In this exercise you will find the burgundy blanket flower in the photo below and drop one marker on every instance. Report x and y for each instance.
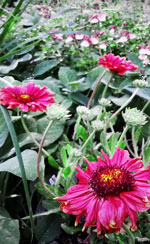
(108, 191)
(116, 64)
(28, 98)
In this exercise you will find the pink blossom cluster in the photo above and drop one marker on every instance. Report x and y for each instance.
(85, 40)
(96, 18)
(125, 35)
(144, 53)
(44, 11)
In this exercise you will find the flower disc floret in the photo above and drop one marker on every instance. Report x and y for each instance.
(109, 191)
(28, 98)
(116, 64)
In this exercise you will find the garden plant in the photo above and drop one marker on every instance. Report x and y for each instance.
(74, 122)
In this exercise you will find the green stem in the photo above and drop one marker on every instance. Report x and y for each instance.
(123, 134)
(76, 126)
(131, 236)
(125, 104)
(95, 88)
(89, 138)
(20, 160)
(106, 87)
(29, 134)
(133, 142)
(58, 181)
(146, 105)
(39, 157)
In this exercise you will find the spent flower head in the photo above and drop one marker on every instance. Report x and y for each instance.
(57, 112)
(134, 117)
(140, 83)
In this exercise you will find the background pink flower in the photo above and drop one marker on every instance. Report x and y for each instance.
(28, 98)
(108, 191)
(116, 64)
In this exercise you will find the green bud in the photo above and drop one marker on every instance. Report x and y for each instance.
(134, 117)
(140, 83)
(98, 125)
(57, 111)
(104, 102)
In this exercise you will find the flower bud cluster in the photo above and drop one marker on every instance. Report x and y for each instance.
(57, 112)
(140, 83)
(134, 117)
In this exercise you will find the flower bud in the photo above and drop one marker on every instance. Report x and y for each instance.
(140, 83)
(57, 112)
(134, 117)
(82, 110)
(98, 125)
(104, 102)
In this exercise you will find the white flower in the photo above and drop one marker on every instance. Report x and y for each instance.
(122, 39)
(85, 43)
(79, 36)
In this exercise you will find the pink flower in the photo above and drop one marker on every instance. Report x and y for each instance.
(93, 40)
(109, 191)
(116, 64)
(28, 98)
(55, 37)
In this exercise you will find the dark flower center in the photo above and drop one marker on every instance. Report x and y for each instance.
(111, 181)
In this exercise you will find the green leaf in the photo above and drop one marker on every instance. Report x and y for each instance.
(44, 66)
(30, 164)
(104, 142)
(70, 230)
(146, 156)
(54, 132)
(137, 135)
(48, 227)
(93, 75)
(52, 162)
(113, 142)
(134, 58)
(67, 172)
(5, 69)
(67, 75)
(64, 156)
(3, 130)
(79, 98)
(142, 92)
(81, 133)
(9, 230)
(51, 204)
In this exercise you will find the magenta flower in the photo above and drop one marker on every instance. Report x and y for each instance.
(116, 64)
(109, 191)
(28, 98)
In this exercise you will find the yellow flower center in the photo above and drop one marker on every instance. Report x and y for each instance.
(110, 175)
(25, 96)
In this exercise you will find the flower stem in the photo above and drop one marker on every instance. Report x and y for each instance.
(133, 142)
(39, 158)
(30, 135)
(131, 236)
(85, 143)
(146, 105)
(76, 126)
(123, 106)
(95, 88)
(106, 87)
(123, 134)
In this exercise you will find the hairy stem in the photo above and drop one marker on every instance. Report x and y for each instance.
(95, 88)
(131, 236)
